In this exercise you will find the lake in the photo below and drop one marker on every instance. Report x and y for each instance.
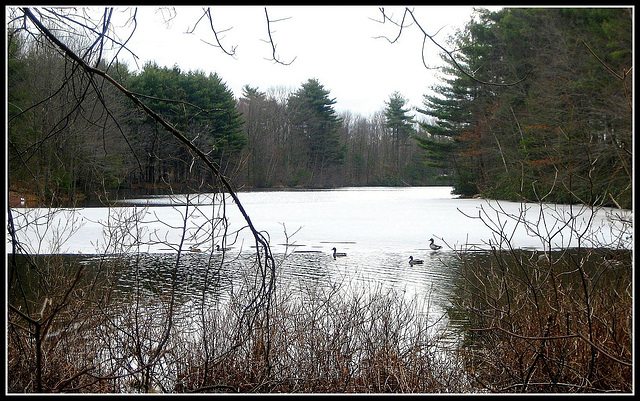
(370, 224)
(378, 229)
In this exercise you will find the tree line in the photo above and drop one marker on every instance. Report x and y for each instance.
(533, 104)
(261, 140)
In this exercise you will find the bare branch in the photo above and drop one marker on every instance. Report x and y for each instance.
(559, 337)
(207, 14)
(622, 77)
(274, 56)
(168, 14)
(261, 241)
(449, 53)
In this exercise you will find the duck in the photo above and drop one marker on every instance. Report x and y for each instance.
(338, 254)
(434, 246)
(413, 261)
(543, 257)
(221, 249)
(194, 249)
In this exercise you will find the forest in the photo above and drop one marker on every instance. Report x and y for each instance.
(546, 113)
(533, 104)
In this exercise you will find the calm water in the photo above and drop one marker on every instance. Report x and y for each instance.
(378, 228)
(367, 223)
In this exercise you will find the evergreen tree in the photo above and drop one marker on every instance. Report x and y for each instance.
(201, 106)
(451, 143)
(400, 126)
(560, 134)
(249, 93)
(315, 125)
(69, 144)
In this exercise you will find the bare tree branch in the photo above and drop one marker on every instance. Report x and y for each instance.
(622, 77)
(559, 337)
(168, 14)
(431, 38)
(207, 14)
(274, 56)
(264, 257)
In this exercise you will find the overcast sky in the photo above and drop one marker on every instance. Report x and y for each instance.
(335, 44)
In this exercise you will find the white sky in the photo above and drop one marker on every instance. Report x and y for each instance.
(334, 44)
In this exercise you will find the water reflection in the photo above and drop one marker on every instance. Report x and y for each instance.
(208, 279)
(198, 272)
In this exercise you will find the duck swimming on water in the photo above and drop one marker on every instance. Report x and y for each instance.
(434, 246)
(338, 254)
(413, 261)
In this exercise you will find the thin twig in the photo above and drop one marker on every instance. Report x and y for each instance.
(274, 56)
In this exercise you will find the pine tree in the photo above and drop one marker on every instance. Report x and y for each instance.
(400, 126)
(451, 111)
(199, 105)
(537, 106)
(315, 125)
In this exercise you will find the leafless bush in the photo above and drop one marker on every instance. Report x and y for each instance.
(325, 341)
(557, 321)
(331, 339)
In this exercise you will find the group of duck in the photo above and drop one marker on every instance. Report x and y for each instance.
(337, 254)
(412, 261)
(218, 249)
